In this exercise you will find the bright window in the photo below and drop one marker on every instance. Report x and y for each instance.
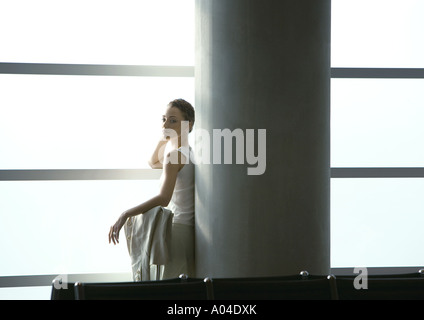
(83, 122)
(377, 33)
(74, 121)
(376, 222)
(98, 122)
(376, 123)
(61, 227)
(130, 32)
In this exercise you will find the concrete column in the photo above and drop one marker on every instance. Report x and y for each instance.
(264, 65)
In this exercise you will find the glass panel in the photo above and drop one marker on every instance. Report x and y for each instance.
(376, 222)
(145, 32)
(377, 123)
(83, 122)
(61, 227)
(377, 33)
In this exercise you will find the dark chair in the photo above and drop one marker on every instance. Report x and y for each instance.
(382, 288)
(301, 276)
(66, 291)
(62, 291)
(275, 288)
(171, 289)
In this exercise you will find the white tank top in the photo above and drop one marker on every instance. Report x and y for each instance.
(182, 201)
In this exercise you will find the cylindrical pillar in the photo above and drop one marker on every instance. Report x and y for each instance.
(263, 65)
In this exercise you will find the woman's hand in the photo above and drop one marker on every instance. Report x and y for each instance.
(114, 230)
(162, 199)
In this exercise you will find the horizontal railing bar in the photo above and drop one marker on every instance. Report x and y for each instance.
(182, 71)
(47, 279)
(96, 70)
(384, 73)
(80, 174)
(377, 172)
(154, 174)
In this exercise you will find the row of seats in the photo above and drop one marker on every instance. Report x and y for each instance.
(297, 287)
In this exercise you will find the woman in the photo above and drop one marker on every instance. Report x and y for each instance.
(177, 188)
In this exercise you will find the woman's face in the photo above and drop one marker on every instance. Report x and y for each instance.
(172, 125)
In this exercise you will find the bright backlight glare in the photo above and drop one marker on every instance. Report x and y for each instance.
(377, 123)
(62, 227)
(377, 33)
(376, 222)
(130, 32)
(83, 122)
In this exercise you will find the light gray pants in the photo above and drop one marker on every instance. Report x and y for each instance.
(181, 252)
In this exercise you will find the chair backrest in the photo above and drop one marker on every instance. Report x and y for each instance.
(271, 278)
(382, 288)
(275, 289)
(151, 290)
(62, 291)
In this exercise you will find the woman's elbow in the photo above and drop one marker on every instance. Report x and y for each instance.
(150, 164)
(164, 200)
(157, 165)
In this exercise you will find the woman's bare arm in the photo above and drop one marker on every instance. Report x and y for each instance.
(156, 160)
(162, 199)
